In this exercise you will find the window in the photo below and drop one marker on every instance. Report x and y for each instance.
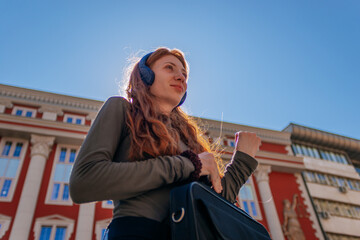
(104, 234)
(24, 112)
(357, 185)
(247, 199)
(343, 159)
(11, 158)
(351, 184)
(231, 143)
(357, 170)
(310, 177)
(341, 182)
(54, 227)
(107, 204)
(305, 151)
(58, 190)
(296, 149)
(337, 208)
(317, 153)
(47, 233)
(324, 155)
(100, 229)
(75, 119)
(331, 180)
(321, 178)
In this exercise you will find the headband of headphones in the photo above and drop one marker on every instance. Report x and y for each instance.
(148, 76)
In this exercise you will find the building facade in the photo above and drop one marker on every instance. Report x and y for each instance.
(40, 136)
(331, 178)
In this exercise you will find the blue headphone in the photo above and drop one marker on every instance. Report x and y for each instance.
(148, 76)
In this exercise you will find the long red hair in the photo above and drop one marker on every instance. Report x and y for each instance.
(152, 132)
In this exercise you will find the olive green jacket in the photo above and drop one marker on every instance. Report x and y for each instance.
(103, 171)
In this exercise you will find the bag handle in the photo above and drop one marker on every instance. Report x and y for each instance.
(181, 216)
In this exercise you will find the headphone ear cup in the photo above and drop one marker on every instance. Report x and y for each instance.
(182, 100)
(147, 75)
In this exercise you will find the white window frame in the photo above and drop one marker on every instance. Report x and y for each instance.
(54, 221)
(24, 109)
(258, 210)
(105, 204)
(74, 116)
(5, 223)
(21, 160)
(99, 226)
(48, 199)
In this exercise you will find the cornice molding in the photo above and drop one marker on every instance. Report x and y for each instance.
(280, 156)
(227, 128)
(326, 139)
(39, 97)
(23, 127)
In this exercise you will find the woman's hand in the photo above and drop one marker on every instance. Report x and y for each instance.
(209, 167)
(247, 142)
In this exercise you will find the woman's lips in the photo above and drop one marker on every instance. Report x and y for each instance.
(177, 87)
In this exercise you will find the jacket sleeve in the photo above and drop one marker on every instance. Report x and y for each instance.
(95, 177)
(236, 174)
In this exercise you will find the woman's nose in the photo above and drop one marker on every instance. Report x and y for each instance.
(180, 76)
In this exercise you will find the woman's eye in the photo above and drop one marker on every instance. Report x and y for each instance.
(169, 66)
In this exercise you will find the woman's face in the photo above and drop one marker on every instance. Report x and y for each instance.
(170, 82)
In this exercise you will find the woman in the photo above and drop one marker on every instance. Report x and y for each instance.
(138, 149)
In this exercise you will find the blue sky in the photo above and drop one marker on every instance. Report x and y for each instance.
(258, 63)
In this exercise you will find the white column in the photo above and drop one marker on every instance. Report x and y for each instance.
(41, 147)
(84, 229)
(272, 218)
